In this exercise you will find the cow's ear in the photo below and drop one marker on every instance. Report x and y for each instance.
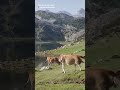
(116, 81)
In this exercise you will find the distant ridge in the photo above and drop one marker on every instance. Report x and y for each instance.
(60, 25)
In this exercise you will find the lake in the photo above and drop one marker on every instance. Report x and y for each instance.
(42, 46)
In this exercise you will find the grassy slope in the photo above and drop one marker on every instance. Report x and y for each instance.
(106, 50)
(55, 80)
(77, 48)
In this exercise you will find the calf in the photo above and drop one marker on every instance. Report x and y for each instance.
(70, 60)
(101, 79)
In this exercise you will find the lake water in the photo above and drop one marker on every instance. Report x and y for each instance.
(42, 46)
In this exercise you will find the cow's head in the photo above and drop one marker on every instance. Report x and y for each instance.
(53, 60)
(57, 60)
(50, 59)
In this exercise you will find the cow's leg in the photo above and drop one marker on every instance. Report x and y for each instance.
(49, 64)
(32, 85)
(63, 68)
(79, 66)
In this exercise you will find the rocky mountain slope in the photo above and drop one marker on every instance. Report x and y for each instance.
(51, 26)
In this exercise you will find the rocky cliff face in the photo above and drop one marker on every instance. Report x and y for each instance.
(57, 26)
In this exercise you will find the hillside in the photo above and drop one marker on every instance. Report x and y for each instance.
(73, 48)
(60, 25)
(54, 79)
(66, 48)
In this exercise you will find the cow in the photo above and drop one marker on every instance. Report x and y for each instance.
(51, 60)
(71, 60)
(31, 79)
(101, 79)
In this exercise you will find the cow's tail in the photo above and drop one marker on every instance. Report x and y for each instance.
(82, 58)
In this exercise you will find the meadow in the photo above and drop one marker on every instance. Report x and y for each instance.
(107, 58)
(56, 80)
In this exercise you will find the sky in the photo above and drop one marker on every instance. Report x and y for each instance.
(71, 6)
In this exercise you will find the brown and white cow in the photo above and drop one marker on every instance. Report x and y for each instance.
(71, 60)
(51, 60)
(101, 79)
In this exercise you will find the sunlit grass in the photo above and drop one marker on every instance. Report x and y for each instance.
(61, 87)
(77, 48)
(55, 76)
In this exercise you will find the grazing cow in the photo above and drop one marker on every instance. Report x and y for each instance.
(101, 79)
(71, 59)
(51, 60)
(31, 79)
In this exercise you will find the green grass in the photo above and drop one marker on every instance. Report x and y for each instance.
(61, 87)
(55, 76)
(76, 48)
(47, 75)
(56, 80)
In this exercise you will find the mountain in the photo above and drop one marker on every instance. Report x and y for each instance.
(51, 26)
(81, 12)
(65, 12)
